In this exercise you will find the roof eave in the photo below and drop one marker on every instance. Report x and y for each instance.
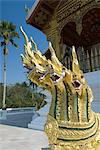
(35, 5)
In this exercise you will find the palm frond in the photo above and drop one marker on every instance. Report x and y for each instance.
(12, 27)
(8, 33)
(14, 34)
(13, 43)
(2, 43)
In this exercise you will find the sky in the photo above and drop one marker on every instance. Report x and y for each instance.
(14, 11)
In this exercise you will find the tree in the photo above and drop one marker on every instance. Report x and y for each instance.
(7, 35)
(19, 95)
(22, 95)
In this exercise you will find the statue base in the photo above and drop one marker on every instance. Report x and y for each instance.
(92, 145)
(97, 147)
(85, 139)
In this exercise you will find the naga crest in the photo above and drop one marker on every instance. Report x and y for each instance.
(71, 123)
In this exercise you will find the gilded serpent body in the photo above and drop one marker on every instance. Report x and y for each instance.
(71, 123)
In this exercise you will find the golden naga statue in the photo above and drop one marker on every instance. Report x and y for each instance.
(71, 124)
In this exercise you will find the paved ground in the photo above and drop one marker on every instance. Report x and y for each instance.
(16, 138)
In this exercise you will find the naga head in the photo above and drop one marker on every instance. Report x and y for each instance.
(78, 80)
(42, 71)
(49, 72)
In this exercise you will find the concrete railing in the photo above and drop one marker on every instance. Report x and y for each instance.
(13, 111)
(20, 110)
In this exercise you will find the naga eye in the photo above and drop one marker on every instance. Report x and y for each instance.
(82, 76)
(34, 65)
(74, 75)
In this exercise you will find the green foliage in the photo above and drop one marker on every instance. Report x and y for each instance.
(18, 95)
(8, 33)
(22, 95)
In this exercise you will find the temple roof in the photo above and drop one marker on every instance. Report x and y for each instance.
(43, 10)
(41, 13)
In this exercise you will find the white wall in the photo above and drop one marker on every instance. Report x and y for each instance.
(93, 79)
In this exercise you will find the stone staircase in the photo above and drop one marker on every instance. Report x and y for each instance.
(39, 122)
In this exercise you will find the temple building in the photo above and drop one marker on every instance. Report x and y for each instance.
(72, 22)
